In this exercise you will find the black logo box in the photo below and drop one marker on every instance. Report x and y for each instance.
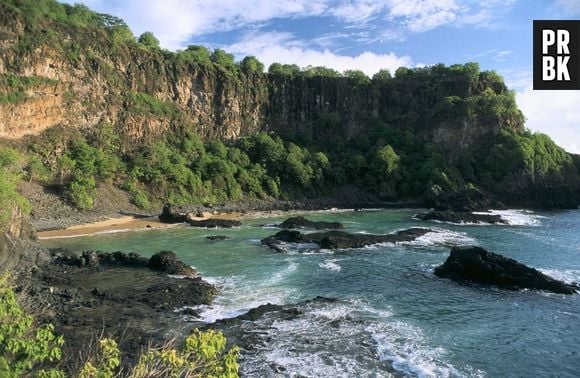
(573, 27)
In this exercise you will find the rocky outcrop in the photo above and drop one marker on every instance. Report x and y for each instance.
(460, 217)
(466, 199)
(163, 262)
(167, 262)
(340, 239)
(476, 265)
(18, 245)
(168, 215)
(125, 296)
(301, 222)
(214, 223)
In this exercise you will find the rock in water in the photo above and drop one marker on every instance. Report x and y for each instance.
(167, 262)
(475, 264)
(216, 237)
(340, 239)
(301, 222)
(461, 217)
(214, 223)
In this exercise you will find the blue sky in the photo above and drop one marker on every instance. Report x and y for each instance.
(370, 35)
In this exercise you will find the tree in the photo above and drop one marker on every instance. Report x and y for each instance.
(252, 64)
(149, 40)
(382, 76)
(197, 54)
(284, 69)
(357, 76)
(224, 60)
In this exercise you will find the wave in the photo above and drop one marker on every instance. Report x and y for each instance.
(330, 265)
(570, 276)
(516, 217)
(240, 294)
(343, 339)
(442, 237)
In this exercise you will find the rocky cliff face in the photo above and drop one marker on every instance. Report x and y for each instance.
(84, 80)
(18, 245)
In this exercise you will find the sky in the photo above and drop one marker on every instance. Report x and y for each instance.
(370, 35)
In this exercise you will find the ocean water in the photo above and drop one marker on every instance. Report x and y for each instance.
(395, 318)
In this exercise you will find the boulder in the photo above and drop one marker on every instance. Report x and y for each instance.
(301, 222)
(475, 264)
(167, 262)
(168, 215)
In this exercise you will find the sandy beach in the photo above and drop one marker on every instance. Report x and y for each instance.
(122, 224)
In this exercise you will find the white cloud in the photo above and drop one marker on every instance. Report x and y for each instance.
(359, 11)
(555, 113)
(282, 47)
(174, 22)
(423, 15)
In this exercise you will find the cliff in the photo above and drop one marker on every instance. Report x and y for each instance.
(82, 77)
(66, 68)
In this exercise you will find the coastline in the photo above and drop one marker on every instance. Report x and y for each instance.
(130, 223)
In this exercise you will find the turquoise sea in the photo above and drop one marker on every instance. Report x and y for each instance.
(397, 318)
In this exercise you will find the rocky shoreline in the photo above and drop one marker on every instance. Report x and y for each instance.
(124, 296)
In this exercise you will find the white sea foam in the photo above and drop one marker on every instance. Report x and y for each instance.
(282, 274)
(330, 265)
(442, 237)
(343, 339)
(240, 294)
(406, 348)
(565, 275)
(515, 217)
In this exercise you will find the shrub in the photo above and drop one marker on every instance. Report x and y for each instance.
(23, 346)
(202, 355)
(148, 40)
(82, 192)
(10, 173)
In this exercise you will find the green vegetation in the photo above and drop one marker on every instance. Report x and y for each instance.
(13, 88)
(24, 347)
(141, 103)
(394, 158)
(10, 174)
(148, 40)
(27, 349)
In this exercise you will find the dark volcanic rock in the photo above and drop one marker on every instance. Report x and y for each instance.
(475, 264)
(169, 216)
(95, 259)
(216, 237)
(340, 239)
(301, 222)
(464, 200)
(214, 223)
(461, 217)
(167, 262)
(123, 296)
